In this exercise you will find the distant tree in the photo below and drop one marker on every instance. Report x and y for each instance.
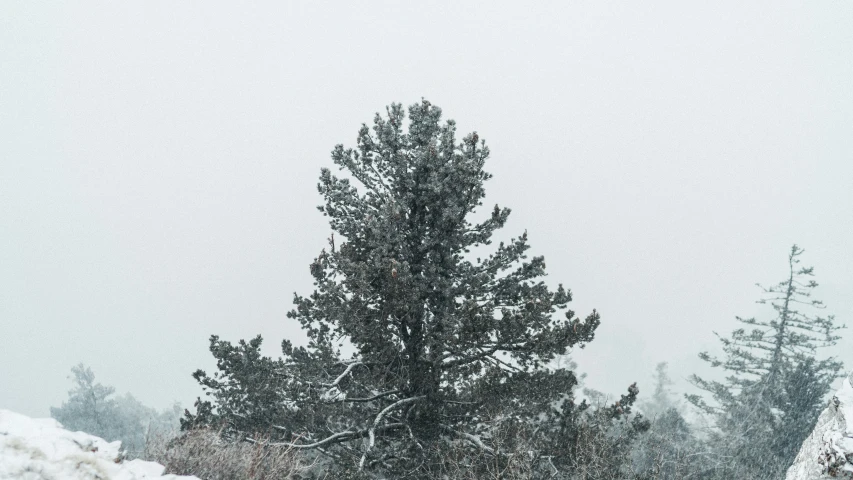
(669, 450)
(662, 399)
(449, 348)
(93, 408)
(773, 393)
(89, 407)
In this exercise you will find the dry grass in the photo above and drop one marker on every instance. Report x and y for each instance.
(206, 455)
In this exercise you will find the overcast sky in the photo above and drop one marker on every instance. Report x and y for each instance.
(159, 161)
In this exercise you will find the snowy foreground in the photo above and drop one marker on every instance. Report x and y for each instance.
(35, 449)
(830, 446)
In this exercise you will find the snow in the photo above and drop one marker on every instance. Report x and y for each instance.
(40, 449)
(828, 451)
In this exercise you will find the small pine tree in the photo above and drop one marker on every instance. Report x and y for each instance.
(448, 347)
(662, 399)
(773, 394)
(92, 408)
(89, 407)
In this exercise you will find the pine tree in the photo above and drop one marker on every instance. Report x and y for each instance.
(771, 399)
(661, 400)
(92, 408)
(89, 407)
(446, 345)
(669, 450)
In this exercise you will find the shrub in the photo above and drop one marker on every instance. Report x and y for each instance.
(205, 454)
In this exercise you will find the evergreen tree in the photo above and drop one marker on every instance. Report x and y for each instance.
(669, 450)
(448, 347)
(662, 399)
(806, 385)
(92, 408)
(89, 407)
(773, 394)
(249, 389)
(592, 441)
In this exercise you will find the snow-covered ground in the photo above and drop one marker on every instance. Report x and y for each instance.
(828, 451)
(36, 449)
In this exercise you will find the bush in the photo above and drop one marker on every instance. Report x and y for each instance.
(205, 454)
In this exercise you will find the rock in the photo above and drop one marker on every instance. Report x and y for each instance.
(828, 452)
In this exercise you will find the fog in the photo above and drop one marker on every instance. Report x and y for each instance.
(159, 161)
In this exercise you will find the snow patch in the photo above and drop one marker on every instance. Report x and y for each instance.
(40, 449)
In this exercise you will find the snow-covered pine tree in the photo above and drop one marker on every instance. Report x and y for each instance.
(446, 345)
(775, 387)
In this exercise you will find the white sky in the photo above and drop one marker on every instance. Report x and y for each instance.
(158, 163)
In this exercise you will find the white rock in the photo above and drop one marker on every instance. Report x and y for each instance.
(828, 452)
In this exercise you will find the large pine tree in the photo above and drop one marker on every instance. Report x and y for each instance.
(446, 344)
(775, 384)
